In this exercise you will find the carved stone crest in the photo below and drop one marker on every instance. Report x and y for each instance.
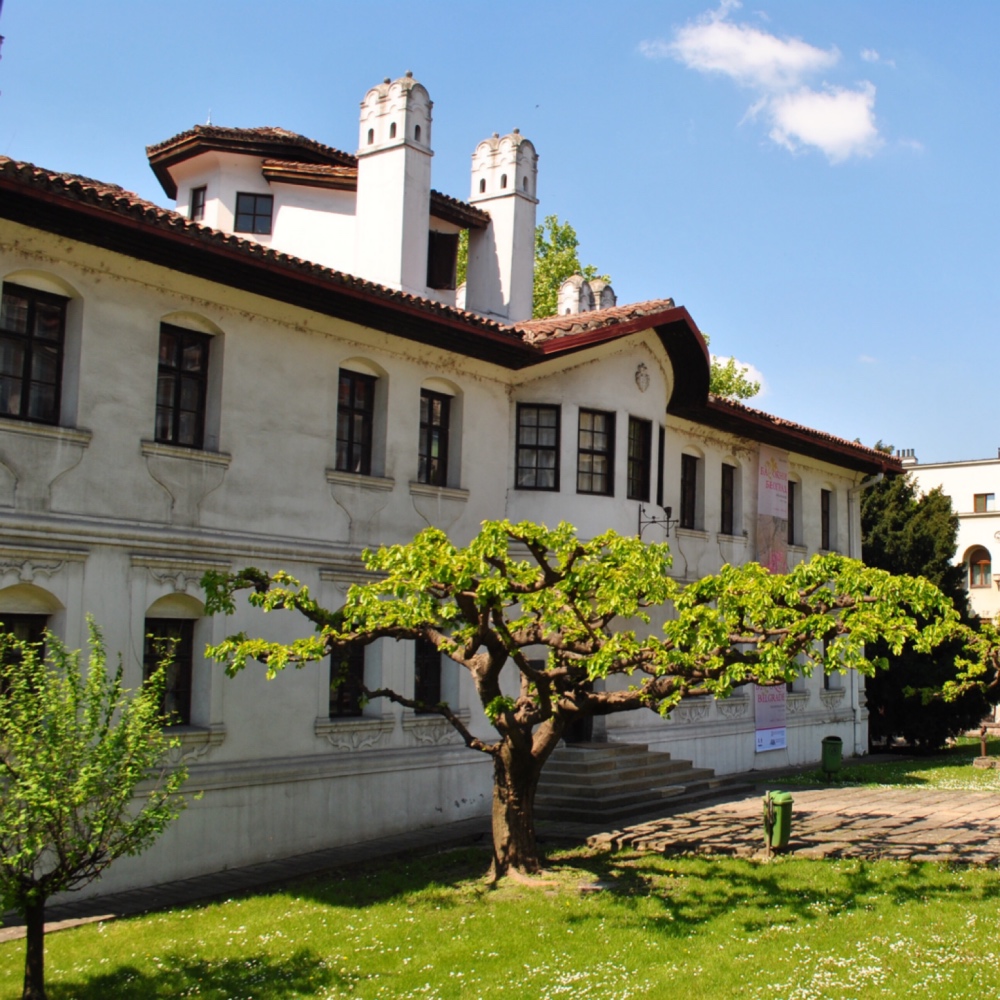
(642, 376)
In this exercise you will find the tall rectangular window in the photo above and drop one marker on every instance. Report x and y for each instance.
(442, 259)
(345, 697)
(253, 213)
(435, 417)
(32, 329)
(824, 519)
(640, 458)
(537, 447)
(197, 212)
(172, 638)
(427, 673)
(793, 503)
(595, 458)
(182, 386)
(661, 437)
(689, 491)
(355, 411)
(728, 499)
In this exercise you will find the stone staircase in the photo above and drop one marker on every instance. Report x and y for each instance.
(599, 782)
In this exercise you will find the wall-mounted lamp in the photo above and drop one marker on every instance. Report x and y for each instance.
(646, 521)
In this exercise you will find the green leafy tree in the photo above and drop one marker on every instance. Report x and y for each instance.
(556, 259)
(519, 591)
(729, 379)
(904, 532)
(74, 751)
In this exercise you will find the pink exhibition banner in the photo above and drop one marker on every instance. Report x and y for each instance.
(769, 717)
(772, 509)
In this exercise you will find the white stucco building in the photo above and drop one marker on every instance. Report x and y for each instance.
(275, 374)
(973, 486)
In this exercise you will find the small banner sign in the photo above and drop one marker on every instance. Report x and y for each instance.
(772, 510)
(769, 713)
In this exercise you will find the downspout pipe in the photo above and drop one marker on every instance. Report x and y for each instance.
(854, 551)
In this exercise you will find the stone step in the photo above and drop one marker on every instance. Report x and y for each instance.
(603, 782)
(653, 769)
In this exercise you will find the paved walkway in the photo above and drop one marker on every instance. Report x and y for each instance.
(826, 822)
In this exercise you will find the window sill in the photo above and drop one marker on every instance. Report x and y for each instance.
(194, 741)
(359, 481)
(353, 732)
(438, 492)
(734, 539)
(63, 435)
(156, 449)
(691, 533)
(800, 550)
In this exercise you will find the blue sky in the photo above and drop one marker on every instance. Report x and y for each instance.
(816, 182)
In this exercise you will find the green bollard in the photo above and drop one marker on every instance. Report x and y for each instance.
(833, 752)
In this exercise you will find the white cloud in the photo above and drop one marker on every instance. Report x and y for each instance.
(839, 122)
(751, 57)
(867, 359)
(872, 56)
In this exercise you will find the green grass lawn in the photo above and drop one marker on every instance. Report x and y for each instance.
(951, 769)
(662, 927)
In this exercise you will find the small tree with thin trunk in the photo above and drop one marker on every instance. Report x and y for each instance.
(537, 616)
(82, 778)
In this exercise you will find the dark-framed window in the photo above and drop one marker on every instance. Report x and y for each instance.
(26, 628)
(983, 502)
(427, 674)
(727, 525)
(32, 332)
(595, 456)
(442, 259)
(661, 440)
(793, 503)
(173, 638)
(182, 386)
(980, 568)
(197, 212)
(640, 458)
(355, 412)
(538, 429)
(824, 519)
(254, 213)
(435, 420)
(345, 698)
(689, 491)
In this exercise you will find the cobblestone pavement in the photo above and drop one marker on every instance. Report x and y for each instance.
(826, 822)
(833, 823)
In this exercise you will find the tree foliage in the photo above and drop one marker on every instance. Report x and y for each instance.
(905, 532)
(557, 258)
(518, 592)
(74, 751)
(729, 379)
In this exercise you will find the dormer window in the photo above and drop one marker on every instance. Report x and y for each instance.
(254, 213)
(197, 212)
(442, 259)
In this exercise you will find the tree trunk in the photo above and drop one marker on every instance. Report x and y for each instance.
(34, 959)
(515, 781)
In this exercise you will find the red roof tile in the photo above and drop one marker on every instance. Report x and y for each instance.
(536, 331)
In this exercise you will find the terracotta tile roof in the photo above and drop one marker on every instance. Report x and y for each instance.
(262, 136)
(760, 419)
(537, 331)
(116, 200)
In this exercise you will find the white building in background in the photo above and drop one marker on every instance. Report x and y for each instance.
(973, 486)
(275, 374)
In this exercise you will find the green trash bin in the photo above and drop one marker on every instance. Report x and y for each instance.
(833, 754)
(781, 828)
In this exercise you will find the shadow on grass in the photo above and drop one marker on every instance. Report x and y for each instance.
(259, 976)
(692, 892)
